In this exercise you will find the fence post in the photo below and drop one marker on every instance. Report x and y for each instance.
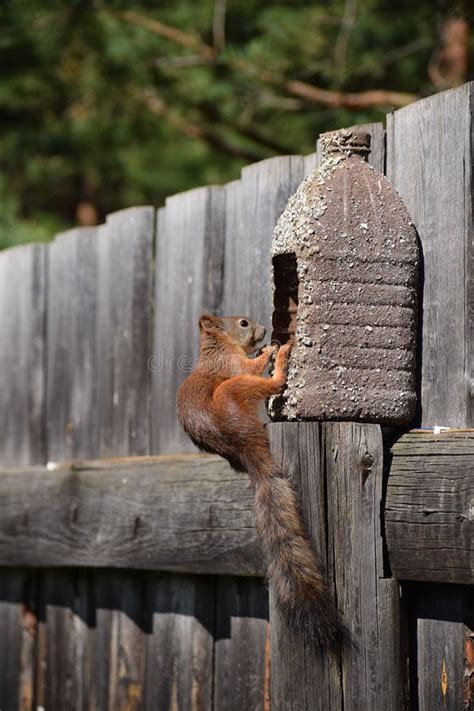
(429, 160)
(302, 678)
(337, 469)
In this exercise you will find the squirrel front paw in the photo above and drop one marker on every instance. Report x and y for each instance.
(268, 351)
(284, 354)
(270, 348)
(281, 360)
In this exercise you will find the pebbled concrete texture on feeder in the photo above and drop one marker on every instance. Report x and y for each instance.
(345, 266)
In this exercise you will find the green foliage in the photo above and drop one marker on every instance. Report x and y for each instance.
(97, 107)
(14, 230)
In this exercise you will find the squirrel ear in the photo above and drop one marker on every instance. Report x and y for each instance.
(210, 323)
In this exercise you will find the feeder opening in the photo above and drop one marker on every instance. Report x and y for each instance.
(285, 298)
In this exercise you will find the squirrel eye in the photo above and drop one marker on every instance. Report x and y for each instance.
(243, 322)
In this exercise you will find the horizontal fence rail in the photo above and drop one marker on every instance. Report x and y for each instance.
(193, 513)
(429, 509)
(188, 513)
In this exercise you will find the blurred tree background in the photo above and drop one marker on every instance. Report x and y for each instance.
(104, 105)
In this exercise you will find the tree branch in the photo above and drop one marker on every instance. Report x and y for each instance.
(313, 94)
(372, 98)
(251, 132)
(342, 42)
(159, 28)
(218, 25)
(189, 60)
(158, 106)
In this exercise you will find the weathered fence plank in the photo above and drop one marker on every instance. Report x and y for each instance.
(372, 673)
(29, 630)
(17, 644)
(22, 323)
(118, 677)
(435, 679)
(180, 646)
(189, 513)
(428, 507)
(65, 616)
(344, 459)
(253, 206)
(242, 645)
(124, 298)
(297, 448)
(188, 282)
(97, 402)
(123, 335)
(71, 418)
(429, 160)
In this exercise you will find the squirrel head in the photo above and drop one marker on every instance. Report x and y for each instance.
(238, 331)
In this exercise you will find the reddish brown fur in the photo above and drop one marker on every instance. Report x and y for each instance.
(218, 407)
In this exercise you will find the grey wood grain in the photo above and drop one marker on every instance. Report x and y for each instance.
(242, 645)
(17, 634)
(429, 161)
(29, 628)
(376, 156)
(310, 163)
(22, 323)
(124, 298)
(189, 281)
(428, 510)
(71, 346)
(441, 654)
(436, 682)
(337, 469)
(190, 513)
(65, 613)
(123, 336)
(180, 644)
(119, 641)
(253, 206)
(301, 677)
(372, 674)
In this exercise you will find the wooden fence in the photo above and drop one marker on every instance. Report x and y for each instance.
(131, 581)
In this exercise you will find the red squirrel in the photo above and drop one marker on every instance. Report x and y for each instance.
(218, 406)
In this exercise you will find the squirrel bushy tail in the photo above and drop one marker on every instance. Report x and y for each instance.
(292, 566)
